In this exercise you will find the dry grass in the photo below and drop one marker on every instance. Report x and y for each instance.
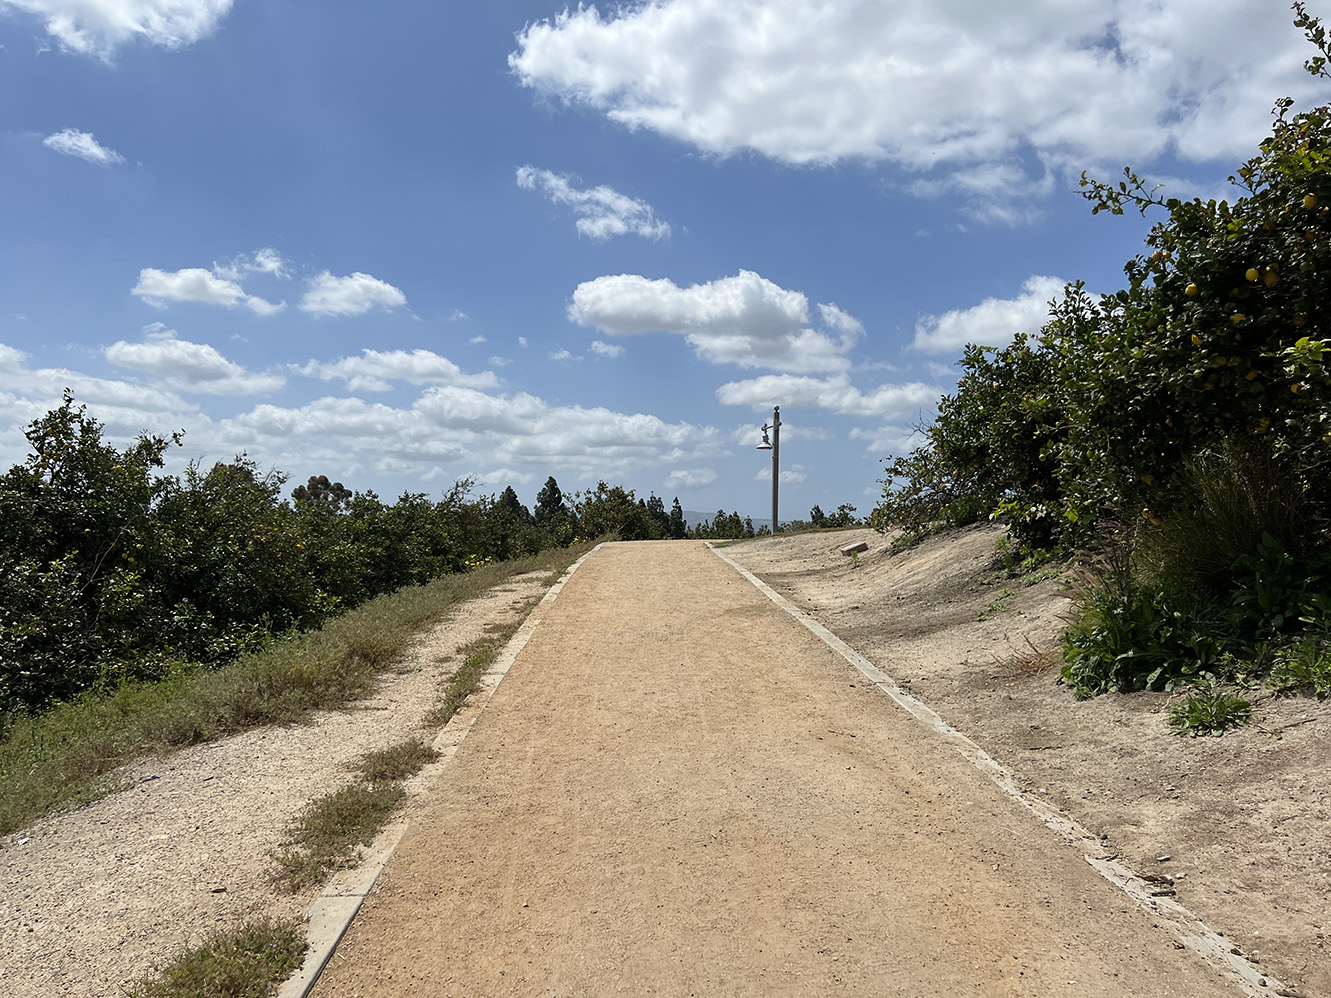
(1032, 659)
(241, 963)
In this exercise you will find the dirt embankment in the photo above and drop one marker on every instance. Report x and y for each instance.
(1245, 819)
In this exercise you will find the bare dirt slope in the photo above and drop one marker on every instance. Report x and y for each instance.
(678, 790)
(1245, 819)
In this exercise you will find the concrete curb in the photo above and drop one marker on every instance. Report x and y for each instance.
(333, 911)
(1190, 931)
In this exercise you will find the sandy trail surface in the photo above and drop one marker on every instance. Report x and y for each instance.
(678, 790)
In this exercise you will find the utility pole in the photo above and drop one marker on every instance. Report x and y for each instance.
(774, 445)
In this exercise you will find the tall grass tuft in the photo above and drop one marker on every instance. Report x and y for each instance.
(240, 963)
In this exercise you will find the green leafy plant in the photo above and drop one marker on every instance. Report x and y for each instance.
(1210, 711)
(1128, 636)
(1305, 666)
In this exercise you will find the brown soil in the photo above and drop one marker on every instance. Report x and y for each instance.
(679, 790)
(1243, 818)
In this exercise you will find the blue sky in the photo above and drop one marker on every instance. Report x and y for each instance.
(403, 243)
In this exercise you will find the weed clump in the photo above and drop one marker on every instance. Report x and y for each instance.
(239, 963)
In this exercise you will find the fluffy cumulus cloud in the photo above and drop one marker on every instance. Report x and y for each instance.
(603, 349)
(979, 94)
(374, 371)
(991, 323)
(72, 142)
(27, 392)
(447, 431)
(468, 428)
(354, 294)
(99, 27)
(601, 212)
(195, 284)
(186, 366)
(833, 394)
(744, 320)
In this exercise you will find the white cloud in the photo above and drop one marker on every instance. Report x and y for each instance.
(745, 320)
(522, 342)
(690, 478)
(446, 432)
(261, 261)
(476, 339)
(834, 394)
(27, 393)
(469, 428)
(373, 371)
(749, 434)
(602, 349)
(991, 323)
(187, 366)
(561, 356)
(976, 96)
(602, 212)
(158, 287)
(355, 294)
(793, 475)
(99, 27)
(888, 439)
(72, 142)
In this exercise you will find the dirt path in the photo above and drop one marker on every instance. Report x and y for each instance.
(679, 791)
(1243, 818)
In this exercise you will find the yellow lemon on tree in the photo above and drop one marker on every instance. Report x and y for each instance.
(1191, 290)
(1251, 274)
(1196, 340)
(1310, 200)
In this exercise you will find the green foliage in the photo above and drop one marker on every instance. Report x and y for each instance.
(614, 510)
(724, 526)
(1129, 636)
(843, 517)
(1221, 334)
(678, 528)
(113, 573)
(1192, 405)
(1210, 711)
(1304, 666)
(238, 963)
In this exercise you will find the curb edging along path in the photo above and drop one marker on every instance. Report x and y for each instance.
(1191, 932)
(334, 910)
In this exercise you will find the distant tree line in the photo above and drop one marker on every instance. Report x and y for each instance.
(111, 570)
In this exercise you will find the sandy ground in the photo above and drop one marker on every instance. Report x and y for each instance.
(89, 900)
(754, 847)
(1245, 819)
(678, 790)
